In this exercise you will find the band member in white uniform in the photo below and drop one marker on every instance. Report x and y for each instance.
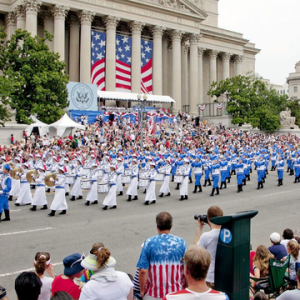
(53, 168)
(120, 172)
(76, 190)
(93, 194)
(111, 197)
(165, 187)
(65, 163)
(185, 171)
(150, 194)
(59, 202)
(15, 183)
(132, 189)
(39, 197)
(25, 196)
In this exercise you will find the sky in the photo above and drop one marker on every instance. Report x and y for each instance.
(273, 26)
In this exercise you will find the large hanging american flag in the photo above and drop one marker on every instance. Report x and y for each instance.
(146, 70)
(98, 48)
(123, 63)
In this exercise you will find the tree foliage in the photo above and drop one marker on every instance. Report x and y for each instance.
(36, 75)
(294, 106)
(251, 101)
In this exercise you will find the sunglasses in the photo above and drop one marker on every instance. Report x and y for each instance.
(78, 260)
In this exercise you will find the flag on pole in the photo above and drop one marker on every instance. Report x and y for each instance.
(146, 66)
(202, 107)
(219, 105)
(123, 63)
(98, 49)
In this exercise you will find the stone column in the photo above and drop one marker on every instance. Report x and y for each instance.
(165, 66)
(86, 18)
(10, 24)
(184, 67)
(176, 68)
(200, 74)
(49, 26)
(238, 59)
(212, 76)
(110, 64)
(170, 74)
(226, 65)
(157, 32)
(21, 17)
(194, 88)
(74, 49)
(59, 12)
(32, 7)
(136, 29)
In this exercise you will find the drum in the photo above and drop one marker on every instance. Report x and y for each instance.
(126, 179)
(143, 182)
(160, 177)
(70, 179)
(86, 172)
(100, 173)
(143, 175)
(85, 183)
(178, 178)
(127, 172)
(103, 188)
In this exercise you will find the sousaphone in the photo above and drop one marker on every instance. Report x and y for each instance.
(48, 182)
(29, 175)
(14, 172)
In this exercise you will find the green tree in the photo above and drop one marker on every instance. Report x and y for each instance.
(249, 100)
(37, 75)
(294, 106)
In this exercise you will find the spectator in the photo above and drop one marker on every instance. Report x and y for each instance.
(209, 240)
(260, 296)
(293, 250)
(72, 270)
(61, 296)
(41, 265)
(159, 254)
(278, 250)
(28, 286)
(196, 264)
(12, 139)
(287, 235)
(105, 283)
(293, 294)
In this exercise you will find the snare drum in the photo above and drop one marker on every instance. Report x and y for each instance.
(103, 188)
(160, 177)
(143, 182)
(86, 172)
(70, 179)
(85, 183)
(126, 179)
(127, 172)
(143, 175)
(100, 173)
(178, 178)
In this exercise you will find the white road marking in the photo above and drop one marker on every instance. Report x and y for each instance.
(26, 231)
(27, 270)
(283, 192)
(14, 210)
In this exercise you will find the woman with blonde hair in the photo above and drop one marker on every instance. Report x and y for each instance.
(293, 250)
(261, 263)
(105, 283)
(42, 263)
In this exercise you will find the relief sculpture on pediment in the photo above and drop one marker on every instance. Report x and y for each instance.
(198, 3)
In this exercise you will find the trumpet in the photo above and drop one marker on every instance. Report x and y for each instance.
(48, 182)
(29, 175)
(14, 172)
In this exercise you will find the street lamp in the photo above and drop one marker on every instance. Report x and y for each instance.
(142, 104)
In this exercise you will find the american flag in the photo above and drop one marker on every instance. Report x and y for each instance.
(98, 59)
(219, 105)
(146, 68)
(123, 63)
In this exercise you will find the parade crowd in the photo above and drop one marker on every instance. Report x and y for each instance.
(107, 158)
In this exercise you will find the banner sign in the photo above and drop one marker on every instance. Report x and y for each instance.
(82, 96)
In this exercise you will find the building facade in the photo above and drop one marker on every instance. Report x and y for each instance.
(294, 83)
(190, 51)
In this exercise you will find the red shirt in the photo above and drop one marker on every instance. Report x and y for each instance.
(65, 285)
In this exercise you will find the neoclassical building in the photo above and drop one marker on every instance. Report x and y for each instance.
(190, 51)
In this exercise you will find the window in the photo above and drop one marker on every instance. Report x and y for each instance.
(295, 89)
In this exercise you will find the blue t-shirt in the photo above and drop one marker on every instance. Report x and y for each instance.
(278, 250)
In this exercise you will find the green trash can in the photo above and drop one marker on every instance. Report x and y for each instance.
(232, 266)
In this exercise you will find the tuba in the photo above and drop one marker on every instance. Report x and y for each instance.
(48, 182)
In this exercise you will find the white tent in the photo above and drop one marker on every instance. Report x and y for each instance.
(42, 127)
(64, 126)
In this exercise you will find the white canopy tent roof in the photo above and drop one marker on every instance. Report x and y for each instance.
(42, 127)
(133, 97)
(63, 126)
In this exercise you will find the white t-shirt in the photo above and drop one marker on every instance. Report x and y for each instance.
(209, 241)
(46, 288)
(108, 290)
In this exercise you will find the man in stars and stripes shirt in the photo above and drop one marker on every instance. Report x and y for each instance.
(160, 261)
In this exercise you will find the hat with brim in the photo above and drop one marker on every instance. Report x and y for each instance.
(90, 263)
(72, 264)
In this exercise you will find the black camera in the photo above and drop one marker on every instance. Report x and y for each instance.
(2, 292)
(203, 218)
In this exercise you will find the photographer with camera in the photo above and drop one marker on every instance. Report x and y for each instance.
(209, 240)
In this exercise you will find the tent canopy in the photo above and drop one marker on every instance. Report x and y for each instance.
(133, 97)
(62, 124)
(43, 127)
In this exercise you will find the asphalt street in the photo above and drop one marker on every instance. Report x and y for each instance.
(124, 229)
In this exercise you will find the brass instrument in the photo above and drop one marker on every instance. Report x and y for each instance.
(48, 182)
(29, 175)
(14, 172)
